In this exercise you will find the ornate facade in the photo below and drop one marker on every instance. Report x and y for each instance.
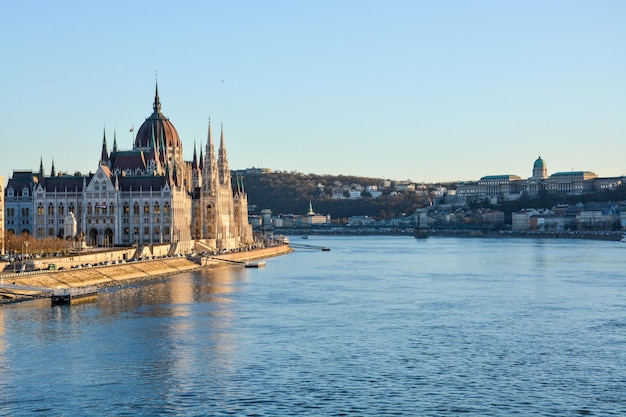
(146, 195)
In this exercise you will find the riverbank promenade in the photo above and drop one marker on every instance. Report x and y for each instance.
(16, 287)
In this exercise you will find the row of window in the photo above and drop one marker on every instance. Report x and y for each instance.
(12, 222)
(10, 212)
(40, 232)
(146, 230)
(146, 208)
(98, 208)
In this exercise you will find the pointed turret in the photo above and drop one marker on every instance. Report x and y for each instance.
(210, 173)
(222, 161)
(194, 162)
(114, 141)
(52, 170)
(104, 156)
(41, 170)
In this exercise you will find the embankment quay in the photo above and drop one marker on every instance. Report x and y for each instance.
(15, 287)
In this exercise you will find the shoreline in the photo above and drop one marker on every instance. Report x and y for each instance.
(118, 275)
(608, 235)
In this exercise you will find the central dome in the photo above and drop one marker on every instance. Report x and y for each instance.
(157, 131)
(540, 163)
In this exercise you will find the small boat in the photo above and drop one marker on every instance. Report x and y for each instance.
(259, 264)
(67, 296)
(305, 237)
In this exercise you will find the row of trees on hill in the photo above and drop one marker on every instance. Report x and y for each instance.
(290, 193)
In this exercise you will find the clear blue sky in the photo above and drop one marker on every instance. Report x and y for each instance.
(421, 90)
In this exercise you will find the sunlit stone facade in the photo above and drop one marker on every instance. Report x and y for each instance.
(146, 195)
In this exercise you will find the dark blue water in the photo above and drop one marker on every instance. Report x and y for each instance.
(378, 326)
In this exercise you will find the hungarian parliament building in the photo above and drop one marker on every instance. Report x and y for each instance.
(146, 195)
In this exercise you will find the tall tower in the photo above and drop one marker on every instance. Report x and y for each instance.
(209, 195)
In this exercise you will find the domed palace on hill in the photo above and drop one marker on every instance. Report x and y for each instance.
(511, 187)
(146, 195)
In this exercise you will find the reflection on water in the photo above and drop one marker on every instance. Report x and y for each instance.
(378, 326)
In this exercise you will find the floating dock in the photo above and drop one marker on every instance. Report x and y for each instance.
(67, 296)
(311, 247)
(260, 264)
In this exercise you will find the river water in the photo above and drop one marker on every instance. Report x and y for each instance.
(378, 326)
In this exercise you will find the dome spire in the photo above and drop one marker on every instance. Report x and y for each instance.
(157, 102)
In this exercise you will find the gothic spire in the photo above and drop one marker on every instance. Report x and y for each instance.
(53, 171)
(104, 156)
(194, 162)
(222, 160)
(41, 171)
(210, 150)
(114, 141)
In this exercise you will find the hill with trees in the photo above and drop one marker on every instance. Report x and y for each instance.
(290, 193)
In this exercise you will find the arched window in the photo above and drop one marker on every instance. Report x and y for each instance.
(61, 209)
(136, 208)
(157, 208)
(166, 208)
(126, 208)
(111, 208)
(40, 209)
(89, 209)
(71, 209)
(146, 208)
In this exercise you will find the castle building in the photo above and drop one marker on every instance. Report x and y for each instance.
(512, 187)
(146, 195)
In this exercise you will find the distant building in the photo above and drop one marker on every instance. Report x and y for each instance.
(252, 171)
(510, 187)
(313, 219)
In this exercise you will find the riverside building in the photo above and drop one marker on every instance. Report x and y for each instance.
(146, 195)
